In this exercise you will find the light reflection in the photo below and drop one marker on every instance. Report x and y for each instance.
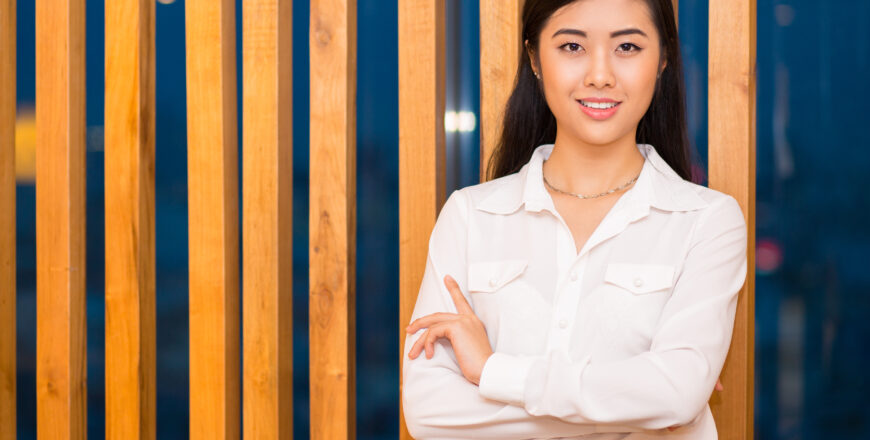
(768, 256)
(463, 121)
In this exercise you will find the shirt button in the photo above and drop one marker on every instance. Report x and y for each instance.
(492, 282)
(638, 282)
(573, 275)
(563, 324)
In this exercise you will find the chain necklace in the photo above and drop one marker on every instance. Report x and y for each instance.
(582, 196)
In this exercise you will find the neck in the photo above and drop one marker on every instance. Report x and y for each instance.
(583, 168)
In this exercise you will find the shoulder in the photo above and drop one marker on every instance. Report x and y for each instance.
(718, 202)
(722, 211)
(479, 192)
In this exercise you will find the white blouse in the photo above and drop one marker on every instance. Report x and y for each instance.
(619, 341)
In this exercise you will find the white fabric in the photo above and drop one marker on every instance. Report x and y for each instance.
(617, 342)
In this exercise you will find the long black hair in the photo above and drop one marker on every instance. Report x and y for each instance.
(528, 121)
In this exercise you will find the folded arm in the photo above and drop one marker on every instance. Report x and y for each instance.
(438, 401)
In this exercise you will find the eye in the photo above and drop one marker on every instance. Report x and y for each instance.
(628, 48)
(571, 47)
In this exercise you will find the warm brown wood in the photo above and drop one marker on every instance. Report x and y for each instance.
(421, 146)
(7, 220)
(130, 259)
(61, 384)
(500, 51)
(732, 76)
(268, 185)
(332, 219)
(212, 160)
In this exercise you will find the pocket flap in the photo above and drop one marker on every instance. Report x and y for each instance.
(489, 276)
(640, 278)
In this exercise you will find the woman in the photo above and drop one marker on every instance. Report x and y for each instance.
(589, 289)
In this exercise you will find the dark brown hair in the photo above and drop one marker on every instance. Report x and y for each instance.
(528, 121)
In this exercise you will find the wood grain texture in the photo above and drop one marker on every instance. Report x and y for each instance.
(267, 186)
(61, 383)
(129, 187)
(212, 161)
(332, 219)
(7, 221)
(500, 51)
(732, 76)
(421, 147)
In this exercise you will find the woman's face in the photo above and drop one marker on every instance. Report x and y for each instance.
(599, 60)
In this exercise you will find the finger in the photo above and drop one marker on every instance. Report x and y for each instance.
(719, 386)
(462, 306)
(418, 346)
(433, 334)
(428, 321)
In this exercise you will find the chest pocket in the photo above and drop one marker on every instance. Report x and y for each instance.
(511, 309)
(640, 279)
(490, 276)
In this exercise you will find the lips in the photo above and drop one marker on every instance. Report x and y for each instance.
(599, 108)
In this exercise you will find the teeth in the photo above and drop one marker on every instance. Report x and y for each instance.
(598, 105)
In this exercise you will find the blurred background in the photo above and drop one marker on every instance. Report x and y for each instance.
(813, 209)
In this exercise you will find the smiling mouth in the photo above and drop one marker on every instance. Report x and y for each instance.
(598, 105)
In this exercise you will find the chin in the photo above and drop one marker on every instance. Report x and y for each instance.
(599, 135)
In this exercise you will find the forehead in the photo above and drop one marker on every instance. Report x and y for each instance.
(603, 16)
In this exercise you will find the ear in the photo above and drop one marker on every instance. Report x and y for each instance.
(664, 63)
(530, 52)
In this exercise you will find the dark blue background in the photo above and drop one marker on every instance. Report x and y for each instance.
(813, 210)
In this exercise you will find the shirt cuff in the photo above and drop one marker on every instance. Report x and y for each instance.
(504, 378)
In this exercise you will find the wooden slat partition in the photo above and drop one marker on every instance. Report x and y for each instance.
(421, 146)
(500, 26)
(213, 219)
(731, 167)
(61, 389)
(332, 219)
(7, 220)
(129, 187)
(268, 185)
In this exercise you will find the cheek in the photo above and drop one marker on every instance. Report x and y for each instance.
(560, 82)
(638, 81)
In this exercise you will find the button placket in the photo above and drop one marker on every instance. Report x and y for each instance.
(565, 305)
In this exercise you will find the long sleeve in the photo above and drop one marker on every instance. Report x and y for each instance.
(671, 383)
(438, 402)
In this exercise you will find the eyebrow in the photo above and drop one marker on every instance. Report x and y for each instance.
(619, 33)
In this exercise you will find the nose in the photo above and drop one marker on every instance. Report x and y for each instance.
(599, 73)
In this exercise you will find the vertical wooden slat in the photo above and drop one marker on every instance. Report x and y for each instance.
(61, 389)
(732, 76)
(7, 220)
(500, 51)
(332, 219)
(421, 146)
(267, 182)
(213, 219)
(129, 188)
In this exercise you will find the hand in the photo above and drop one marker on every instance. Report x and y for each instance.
(718, 387)
(464, 330)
